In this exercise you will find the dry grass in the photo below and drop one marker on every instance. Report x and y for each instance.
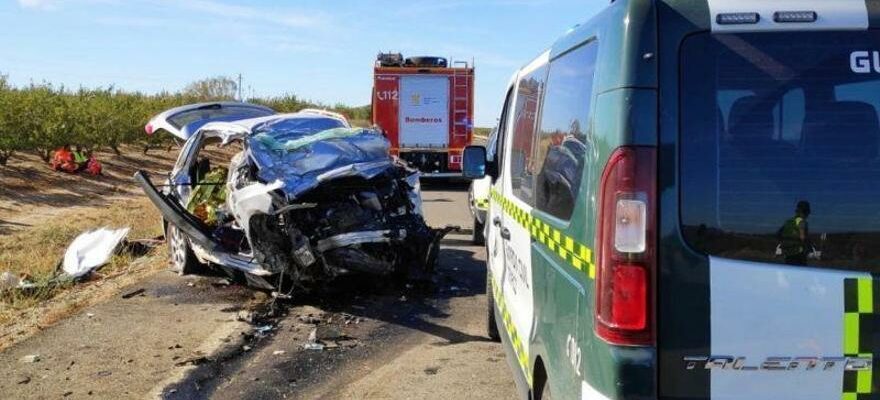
(35, 251)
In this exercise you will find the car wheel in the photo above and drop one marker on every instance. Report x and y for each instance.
(478, 238)
(182, 258)
(491, 325)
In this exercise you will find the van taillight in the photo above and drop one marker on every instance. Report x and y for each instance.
(626, 247)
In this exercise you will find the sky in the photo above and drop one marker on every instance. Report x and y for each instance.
(319, 50)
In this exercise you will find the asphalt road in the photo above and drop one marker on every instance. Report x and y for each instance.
(199, 337)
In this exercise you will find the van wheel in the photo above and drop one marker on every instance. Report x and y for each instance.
(182, 258)
(491, 325)
(478, 238)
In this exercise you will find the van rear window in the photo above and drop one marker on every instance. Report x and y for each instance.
(780, 147)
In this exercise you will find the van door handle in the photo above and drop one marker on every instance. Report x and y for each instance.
(496, 221)
(505, 233)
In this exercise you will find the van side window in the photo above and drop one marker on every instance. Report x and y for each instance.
(522, 163)
(562, 137)
(501, 133)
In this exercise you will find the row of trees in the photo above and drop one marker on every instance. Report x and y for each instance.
(42, 117)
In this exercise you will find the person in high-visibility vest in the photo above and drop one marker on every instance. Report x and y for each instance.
(794, 236)
(79, 157)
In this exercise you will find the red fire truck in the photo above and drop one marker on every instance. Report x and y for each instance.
(426, 109)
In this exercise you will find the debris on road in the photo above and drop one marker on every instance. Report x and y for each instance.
(32, 358)
(246, 316)
(313, 346)
(23, 380)
(91, 250)
(262, 331)
(221, 283)
(133, 293)
(328, 337)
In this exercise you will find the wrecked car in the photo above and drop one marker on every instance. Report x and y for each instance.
(296, 198)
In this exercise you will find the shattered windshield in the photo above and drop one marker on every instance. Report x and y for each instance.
(298, 159)
(294, 143)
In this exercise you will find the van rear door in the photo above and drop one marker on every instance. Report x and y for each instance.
(184, 121)
(770, 218)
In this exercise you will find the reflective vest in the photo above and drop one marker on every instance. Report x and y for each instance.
(790, 234)
(79, 157)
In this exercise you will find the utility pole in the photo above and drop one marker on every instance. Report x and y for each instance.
(239, 88)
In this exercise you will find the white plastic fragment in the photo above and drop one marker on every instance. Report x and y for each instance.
(91, 250)
(32, 358)
(313, 346)
(8, 280)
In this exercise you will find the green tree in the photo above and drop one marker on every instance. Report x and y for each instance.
(10, 141)
(212, 89)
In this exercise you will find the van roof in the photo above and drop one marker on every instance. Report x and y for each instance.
(637, 37)
(831, 15)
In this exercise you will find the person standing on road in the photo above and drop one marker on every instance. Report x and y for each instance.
(794, 235)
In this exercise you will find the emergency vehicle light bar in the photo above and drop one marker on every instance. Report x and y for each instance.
(795, 16)
(738, 18)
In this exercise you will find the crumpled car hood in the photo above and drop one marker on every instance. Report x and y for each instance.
(302, 164)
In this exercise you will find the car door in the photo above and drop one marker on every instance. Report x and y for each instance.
(183, 122)
(495, 214)
(517, 199)
(561, 258)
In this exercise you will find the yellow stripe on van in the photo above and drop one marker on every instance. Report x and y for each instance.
(522, 356)
(576, 254)
(866, 299)
(857, 339)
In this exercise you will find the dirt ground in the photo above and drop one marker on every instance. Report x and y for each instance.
(42, 211)
(30, 192)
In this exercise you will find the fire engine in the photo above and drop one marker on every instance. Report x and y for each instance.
(425, 107)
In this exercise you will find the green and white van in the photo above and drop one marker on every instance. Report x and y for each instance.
(686, 204)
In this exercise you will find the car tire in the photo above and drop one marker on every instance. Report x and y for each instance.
(478, 238)
(491, 325)
(183, 260)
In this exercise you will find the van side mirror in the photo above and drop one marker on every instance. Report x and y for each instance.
(474, 162)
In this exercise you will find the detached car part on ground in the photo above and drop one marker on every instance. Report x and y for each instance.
(305, 199)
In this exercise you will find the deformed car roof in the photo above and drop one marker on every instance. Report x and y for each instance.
(303, 149)
(229, 130)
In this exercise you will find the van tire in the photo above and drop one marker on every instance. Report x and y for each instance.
(183, 260)
(478, 238)
(491, 325)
